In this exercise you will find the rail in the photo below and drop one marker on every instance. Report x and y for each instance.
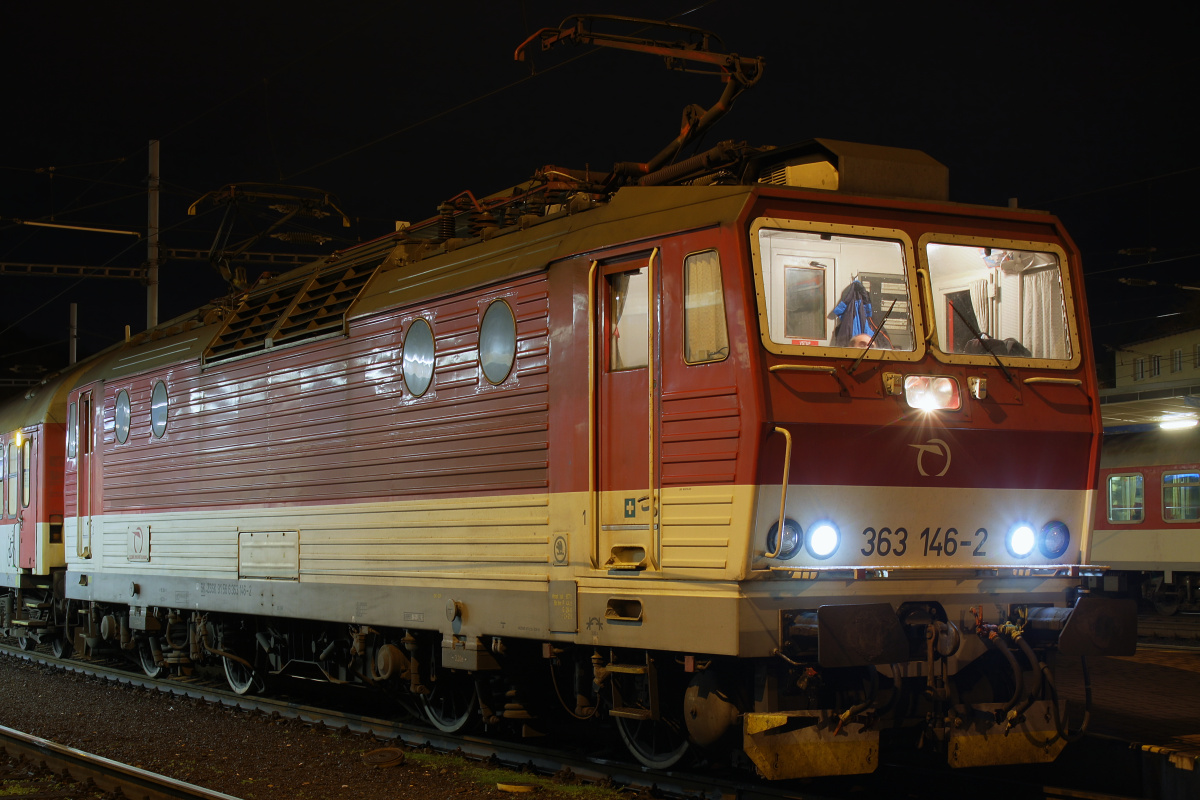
(107, 774)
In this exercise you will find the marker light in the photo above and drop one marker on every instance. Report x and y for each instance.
(1020, 540)
(932, 392)
(823, 539)
(1054, 540)
(793, 538)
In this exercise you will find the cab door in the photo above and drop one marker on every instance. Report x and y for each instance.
(85, 490)
(27, 505)
(626, 408)
(10, 503)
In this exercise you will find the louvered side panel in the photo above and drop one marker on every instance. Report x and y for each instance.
(332, 422)
(700, 434)
(699, 505)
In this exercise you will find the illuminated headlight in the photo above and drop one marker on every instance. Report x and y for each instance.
(823, 539)
(1020, 540)
(932, 392)
(1054, 540)
(793, 537)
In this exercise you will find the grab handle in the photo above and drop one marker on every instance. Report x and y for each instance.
(787, 465)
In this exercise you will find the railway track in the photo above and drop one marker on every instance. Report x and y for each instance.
(586, 768)
(76, 766)
(592, 768)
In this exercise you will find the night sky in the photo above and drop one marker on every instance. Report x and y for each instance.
(394, 107)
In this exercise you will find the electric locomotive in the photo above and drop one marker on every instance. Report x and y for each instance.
(766, 460)
(772, 453)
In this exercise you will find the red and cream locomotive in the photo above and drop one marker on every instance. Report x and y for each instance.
(773, 451)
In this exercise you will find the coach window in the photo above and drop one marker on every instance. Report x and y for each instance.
(705, 335)
(72, 432)
(1125, 500)
(26, 468)
(13, 479)
(1181, 496)
(418, 357)
(4, 480)
(158, 410)
(121, 415)
(497, 341)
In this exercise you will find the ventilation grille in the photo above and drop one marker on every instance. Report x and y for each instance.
(776, 176)
(312, 307)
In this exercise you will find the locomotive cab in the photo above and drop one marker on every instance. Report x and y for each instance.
(929, 431)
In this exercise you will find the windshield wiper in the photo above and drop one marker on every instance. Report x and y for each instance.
(871, 341)
(983, 343)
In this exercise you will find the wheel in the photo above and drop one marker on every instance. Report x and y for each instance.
(1165, 598)
(60, 647)
(241, 678)
(26, 643)
(146, 658)
(1167, 606)
(451, 703)
(656, 743)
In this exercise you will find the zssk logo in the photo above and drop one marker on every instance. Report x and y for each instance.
(939, 449)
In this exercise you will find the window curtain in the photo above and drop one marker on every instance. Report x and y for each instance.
(1043, 322)
(620, 294)
(706, 337)
(983, 308)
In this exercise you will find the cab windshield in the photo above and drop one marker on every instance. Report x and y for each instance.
(1004, 301)
(826, 290)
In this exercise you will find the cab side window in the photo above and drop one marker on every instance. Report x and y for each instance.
(72, 431)
(706, 337)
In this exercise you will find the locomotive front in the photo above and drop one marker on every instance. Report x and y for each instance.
(923, 490)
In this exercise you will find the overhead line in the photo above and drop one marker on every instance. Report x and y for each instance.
(472, 101)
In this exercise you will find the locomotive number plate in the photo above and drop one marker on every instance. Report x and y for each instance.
(927, 543)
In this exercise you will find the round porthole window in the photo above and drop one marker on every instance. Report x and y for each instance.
(121, 416)
(158, 410)
(497, 341)
(418, 357)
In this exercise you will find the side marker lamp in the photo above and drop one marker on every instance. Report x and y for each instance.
(932, 392)
(793, 539)
(823, 539)
(1054, 539)
(1020, 540)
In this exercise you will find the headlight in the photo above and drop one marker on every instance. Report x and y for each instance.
(793, 537)
(823, 539)
(932, 392)
(1020, 540)
(1055, 539)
